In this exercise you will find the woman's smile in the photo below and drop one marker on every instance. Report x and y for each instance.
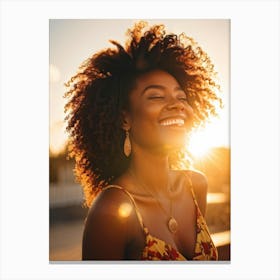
(178, 121)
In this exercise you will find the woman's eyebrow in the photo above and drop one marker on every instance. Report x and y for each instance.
(178, 88)
(160, 87)
(153, 87)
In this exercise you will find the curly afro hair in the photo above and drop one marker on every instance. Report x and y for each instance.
(99, 92)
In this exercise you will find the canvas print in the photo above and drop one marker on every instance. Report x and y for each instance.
(139, 157)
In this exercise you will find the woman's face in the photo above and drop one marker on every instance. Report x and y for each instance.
(159, 115)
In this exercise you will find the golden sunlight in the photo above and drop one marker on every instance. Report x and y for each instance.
(204, 139)
(199, 145)
(125, 210)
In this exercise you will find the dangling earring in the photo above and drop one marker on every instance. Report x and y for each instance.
(127, 144)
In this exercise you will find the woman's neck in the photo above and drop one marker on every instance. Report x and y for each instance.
(150, 171)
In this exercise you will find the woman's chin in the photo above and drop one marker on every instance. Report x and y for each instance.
(171, 146)
(176, 140)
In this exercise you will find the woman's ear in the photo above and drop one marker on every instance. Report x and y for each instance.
(126, 121)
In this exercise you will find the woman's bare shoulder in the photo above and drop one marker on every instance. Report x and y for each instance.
(193, 178)
(110, 202)
(198, 180)
(108, 225)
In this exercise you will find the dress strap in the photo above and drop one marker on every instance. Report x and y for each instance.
(195, 201)
(131, 198)
(191, 189)
(193, 195)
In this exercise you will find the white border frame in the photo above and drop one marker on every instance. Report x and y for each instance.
(254, 138)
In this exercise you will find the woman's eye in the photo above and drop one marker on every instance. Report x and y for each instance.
(182, 97)
(156, 97)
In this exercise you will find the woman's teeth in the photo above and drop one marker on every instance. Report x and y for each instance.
(178, 122)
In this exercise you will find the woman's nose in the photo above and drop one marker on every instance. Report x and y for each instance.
(178, 105)
(174, 103)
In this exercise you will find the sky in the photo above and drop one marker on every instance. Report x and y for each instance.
(72, 41)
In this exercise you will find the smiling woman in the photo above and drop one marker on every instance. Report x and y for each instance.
(130, 112)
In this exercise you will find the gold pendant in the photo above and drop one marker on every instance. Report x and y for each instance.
(172, 225)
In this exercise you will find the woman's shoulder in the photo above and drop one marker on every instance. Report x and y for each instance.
(197, 181)
(194, 178)
(111, 200)
(109, 225)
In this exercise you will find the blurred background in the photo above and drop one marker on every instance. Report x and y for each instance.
(72, 42)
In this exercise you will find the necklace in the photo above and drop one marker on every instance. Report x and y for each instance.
(171, 223)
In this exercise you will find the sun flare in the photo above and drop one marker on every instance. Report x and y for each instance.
(203, 140)
(199, 146)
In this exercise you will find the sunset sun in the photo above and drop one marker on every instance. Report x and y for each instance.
(203, 140)
(198, 146)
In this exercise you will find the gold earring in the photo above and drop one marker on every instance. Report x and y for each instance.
(127, 144)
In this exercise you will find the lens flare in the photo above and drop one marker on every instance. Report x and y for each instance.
(125, 210)
(199, 146)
